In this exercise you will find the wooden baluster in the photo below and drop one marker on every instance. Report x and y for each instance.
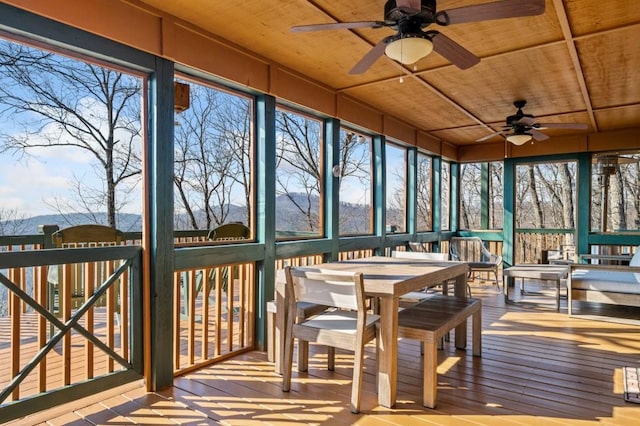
(206, 289)
(218, 319)
(64, 304)
(191, 318)
(90, 279)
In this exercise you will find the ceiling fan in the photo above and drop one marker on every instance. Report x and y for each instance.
(606, 164)
(521, 128)
(410, 17)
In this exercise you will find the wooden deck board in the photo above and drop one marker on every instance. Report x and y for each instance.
(537, 367)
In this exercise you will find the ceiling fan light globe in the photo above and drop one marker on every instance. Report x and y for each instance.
(519, 139)
(408, 49)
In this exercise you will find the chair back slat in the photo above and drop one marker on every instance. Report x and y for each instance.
(468, 249)
(229, 232)
(420, 255)
(87, 236)
(330, 288)
(79, 280)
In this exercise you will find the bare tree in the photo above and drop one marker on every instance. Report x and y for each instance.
(355, 156)
(618, 200)
(210, 156)
(298, 175)
(234, 126)
(355, 175)
(62, 102)
(397, 201)
(633, 183)
(567, 186)
(496, 195)
(12, 222)
(558, 184)
(535, 199)
(471, 195)
(523, 210)
(445, 193)
(470, 198)
(423, 193)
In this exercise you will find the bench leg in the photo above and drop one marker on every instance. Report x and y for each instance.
(461, 335)
(476, 333)
(303, 355)
(271, 331)
(331, 358)
(430, 374)
(271, 335)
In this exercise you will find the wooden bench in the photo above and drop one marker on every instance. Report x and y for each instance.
(430, 320)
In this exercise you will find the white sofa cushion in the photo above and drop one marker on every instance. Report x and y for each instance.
(635, 261)
(605, 281)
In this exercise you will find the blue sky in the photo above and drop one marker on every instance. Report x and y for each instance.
(30, 183)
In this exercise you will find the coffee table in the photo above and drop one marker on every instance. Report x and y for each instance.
(543, 272)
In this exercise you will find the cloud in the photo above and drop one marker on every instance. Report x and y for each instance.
(26, 184)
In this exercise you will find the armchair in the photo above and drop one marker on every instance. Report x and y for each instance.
(477, 256)
(68, 284)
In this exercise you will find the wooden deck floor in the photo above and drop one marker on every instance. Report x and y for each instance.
(538, 367)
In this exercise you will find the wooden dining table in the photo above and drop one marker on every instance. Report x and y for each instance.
(388, 278)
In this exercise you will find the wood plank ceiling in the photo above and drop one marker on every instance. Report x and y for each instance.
(576, 63)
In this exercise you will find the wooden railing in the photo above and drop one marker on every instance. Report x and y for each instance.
(214, 306)
(51, 351)
(530, 244)
(213, 314)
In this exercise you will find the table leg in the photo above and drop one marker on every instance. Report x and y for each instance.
(388, 352)
(558, 295)
(508, 282)
(461, 330)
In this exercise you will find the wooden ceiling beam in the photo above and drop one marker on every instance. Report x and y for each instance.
(575, 59)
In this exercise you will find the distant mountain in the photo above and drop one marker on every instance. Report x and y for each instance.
(127, 222)
(354, 218)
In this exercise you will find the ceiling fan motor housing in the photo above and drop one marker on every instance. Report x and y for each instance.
(513, 120)
(393, 13)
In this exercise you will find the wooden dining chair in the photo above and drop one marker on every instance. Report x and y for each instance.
(349, 326)
(228, 232)
(70, 283)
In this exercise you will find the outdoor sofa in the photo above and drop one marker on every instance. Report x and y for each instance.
(612, 284)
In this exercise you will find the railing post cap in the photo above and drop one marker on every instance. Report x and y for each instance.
(48, 229)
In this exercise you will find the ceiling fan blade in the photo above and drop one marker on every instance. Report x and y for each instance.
(529, 121)
(453, 52)
(484, 138)
(337, 26)
(489, 11)
(539, 136)
(373, 55)
(578, 126)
